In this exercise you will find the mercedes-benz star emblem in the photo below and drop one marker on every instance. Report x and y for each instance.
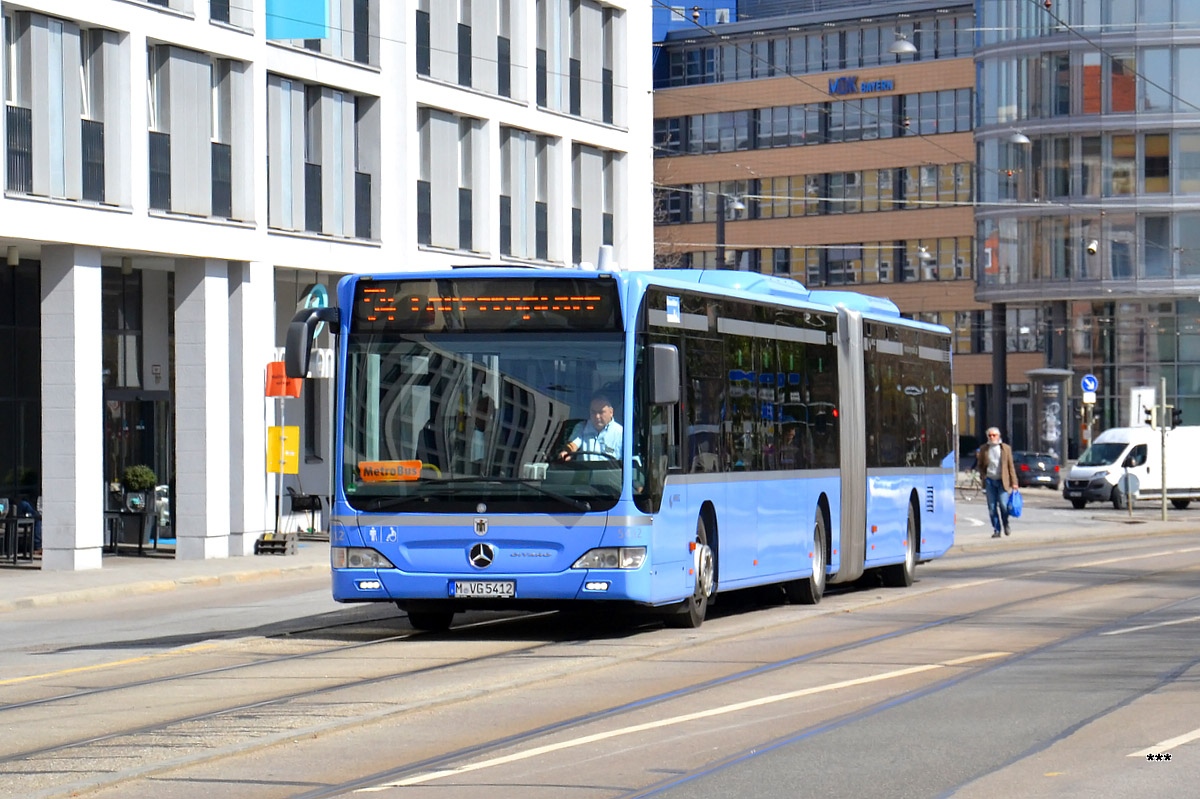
(482, 555)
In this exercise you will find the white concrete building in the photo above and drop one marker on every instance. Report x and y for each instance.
(177, 175)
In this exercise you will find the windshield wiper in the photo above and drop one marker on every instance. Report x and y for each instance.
(392, 503)
(577, 504)
(395, 503)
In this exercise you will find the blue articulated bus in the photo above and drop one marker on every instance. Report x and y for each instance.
(531, 439)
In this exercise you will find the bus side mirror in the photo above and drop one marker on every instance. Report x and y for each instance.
(664, 374)
(298, 347)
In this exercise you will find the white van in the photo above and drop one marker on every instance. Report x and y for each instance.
(1128, 461)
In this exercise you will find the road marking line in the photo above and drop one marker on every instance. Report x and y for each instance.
(1125, 558)
(1168, 745)
(702, 714)
(1152, 626)
(1039, 572)
(97, 666)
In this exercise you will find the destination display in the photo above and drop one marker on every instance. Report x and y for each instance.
(471, 305)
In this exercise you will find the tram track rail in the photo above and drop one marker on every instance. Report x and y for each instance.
(267, 709)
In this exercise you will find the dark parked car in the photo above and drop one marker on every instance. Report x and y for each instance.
(1036, 469)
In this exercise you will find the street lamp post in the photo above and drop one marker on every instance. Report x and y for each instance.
(720, 230)
(737, 205)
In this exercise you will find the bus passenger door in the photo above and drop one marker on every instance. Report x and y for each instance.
(674, 524)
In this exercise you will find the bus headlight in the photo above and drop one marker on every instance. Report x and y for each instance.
(612, 558)
(357, 558)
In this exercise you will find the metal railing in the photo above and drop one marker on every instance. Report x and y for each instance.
(312, 198)
(222, 180)
(160, 171)
(362, 205)
(20, 148)
(93, 160)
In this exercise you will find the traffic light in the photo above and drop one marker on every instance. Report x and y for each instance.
(1176, 417)
(1149, 412)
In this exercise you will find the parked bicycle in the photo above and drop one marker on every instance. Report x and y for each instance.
(969, 486)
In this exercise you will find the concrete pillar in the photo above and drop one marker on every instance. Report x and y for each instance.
(252, 345)
(202, 453)
(72, 400)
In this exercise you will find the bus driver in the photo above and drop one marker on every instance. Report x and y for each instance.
(602, 436)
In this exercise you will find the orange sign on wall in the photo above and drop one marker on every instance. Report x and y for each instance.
(279, 384)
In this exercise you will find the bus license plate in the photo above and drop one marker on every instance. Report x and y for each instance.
(485, 589)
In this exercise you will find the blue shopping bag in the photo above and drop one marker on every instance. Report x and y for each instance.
(1015, 503)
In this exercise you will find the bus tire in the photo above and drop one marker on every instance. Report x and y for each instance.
(1079, 504)
(432, 617)
(1181, 504)
(689, 614)
(809, 590)
(901, 575)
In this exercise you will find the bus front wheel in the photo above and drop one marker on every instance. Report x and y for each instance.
(432, 617)
(810, 590)
(689, 614)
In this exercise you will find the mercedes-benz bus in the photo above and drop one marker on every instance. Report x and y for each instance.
(753, 433)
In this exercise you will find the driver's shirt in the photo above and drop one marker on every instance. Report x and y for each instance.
(605, 441)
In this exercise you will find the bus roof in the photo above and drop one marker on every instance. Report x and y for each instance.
(747, 285)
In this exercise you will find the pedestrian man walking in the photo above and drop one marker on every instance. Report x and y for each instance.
(995, 463)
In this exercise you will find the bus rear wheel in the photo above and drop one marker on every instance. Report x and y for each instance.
(432, 617)
(810, 590)
(901, 575)
(689, 614)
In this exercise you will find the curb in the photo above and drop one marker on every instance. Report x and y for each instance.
(102, 592)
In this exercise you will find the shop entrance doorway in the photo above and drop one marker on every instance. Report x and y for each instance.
(139, 430)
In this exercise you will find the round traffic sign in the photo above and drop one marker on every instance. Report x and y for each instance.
(1089, 383)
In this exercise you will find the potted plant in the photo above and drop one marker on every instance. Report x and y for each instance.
(138, 481)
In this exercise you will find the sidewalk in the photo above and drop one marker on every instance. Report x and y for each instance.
(1048, 519)
(126, 574)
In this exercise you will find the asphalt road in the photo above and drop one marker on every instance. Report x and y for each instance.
(1023, 669)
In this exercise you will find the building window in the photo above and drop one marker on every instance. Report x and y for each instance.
(351, 29)
(323, 159)
(55, 143)
(446, 195)
(193, 122)
(464, 43)
(524, 194)
(577, 70)
(468, 43)
(504, 50)
(423, 45)
(593, 189)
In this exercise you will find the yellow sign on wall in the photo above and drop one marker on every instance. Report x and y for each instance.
(283, 449)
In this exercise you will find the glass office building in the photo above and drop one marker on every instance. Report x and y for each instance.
(1088, 204)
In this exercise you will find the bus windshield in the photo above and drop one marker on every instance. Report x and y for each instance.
(456, 422)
